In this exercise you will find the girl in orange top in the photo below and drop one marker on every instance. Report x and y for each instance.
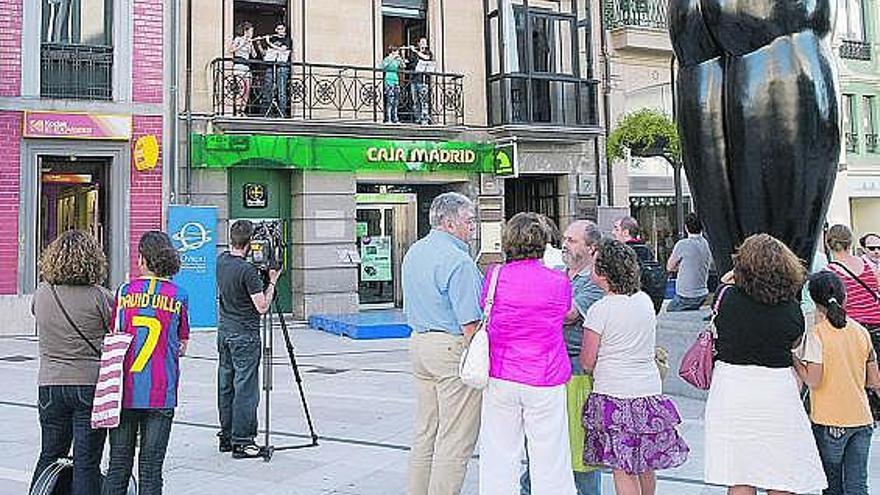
(838, 364)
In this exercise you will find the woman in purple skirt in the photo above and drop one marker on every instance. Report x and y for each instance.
(630, 425)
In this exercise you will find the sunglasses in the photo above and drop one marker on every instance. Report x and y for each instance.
(872, 248)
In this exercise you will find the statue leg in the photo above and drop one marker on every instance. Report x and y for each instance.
(783, 140)
(700, 115)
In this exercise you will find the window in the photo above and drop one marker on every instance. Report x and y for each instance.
(849, 124)
(853, 19)
(869, 120)
(76, 49)
(538, 55)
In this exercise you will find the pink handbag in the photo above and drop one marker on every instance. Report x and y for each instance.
(699, 360)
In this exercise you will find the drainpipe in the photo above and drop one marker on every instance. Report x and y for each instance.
(188, 101)
(606, 98)
(172, 151)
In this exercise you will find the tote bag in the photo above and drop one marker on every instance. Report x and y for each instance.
(107, 405)
(473, 369)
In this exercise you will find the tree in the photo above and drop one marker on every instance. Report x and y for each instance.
(646, 133)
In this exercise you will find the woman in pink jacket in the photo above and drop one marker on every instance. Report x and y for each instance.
(529, 366)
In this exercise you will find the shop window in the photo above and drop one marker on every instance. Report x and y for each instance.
(76, 49)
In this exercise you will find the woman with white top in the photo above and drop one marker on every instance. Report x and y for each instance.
(630, 425)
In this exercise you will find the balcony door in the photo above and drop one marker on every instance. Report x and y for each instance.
(404, 23)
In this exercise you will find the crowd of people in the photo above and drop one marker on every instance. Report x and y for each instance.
(574, 381)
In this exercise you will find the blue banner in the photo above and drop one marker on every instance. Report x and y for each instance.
(193, 231)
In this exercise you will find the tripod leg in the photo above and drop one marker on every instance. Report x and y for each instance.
(297, 377)
(268, 351)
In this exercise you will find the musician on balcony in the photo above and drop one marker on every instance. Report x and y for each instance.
(275, 82)
(421, 80)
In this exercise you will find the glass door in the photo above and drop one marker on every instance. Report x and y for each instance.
(375, 238)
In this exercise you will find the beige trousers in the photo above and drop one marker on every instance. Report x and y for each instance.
(447, 416)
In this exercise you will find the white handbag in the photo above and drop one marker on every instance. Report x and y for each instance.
(473, 369)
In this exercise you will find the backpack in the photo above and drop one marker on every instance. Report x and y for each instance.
(653, 275)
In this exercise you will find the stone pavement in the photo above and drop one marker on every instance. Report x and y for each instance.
(362, 403)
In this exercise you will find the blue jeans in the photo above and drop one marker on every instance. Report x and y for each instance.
(153, 426)
(392, 98)
(271, 88)
(420, 97)
(681, 303)
(844, 453)
(238, 391)
(65, 419)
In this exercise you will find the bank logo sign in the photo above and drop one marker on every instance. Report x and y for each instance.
(505, 160)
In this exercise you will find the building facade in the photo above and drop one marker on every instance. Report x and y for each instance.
(859, 69)
(82, 121)
(641, 71)
(506, 111)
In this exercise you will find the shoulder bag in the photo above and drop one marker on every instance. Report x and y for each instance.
(698, 362)
(473, 368)
(857, 279)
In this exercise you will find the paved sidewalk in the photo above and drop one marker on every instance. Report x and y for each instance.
(362, 403)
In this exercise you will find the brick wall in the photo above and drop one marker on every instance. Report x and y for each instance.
(147, 38)
(145, 207)
(10, 47)
(10, 143)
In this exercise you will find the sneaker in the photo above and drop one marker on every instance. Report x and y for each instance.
(249, 451)
(225, 445)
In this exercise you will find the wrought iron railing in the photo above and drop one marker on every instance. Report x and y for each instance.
(636, 13)
(852, 142)
(76, 71)
(855, 50)
(551, 99)
(309, 91)
(871, 143)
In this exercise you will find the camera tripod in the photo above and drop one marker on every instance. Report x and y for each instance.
(268, 349)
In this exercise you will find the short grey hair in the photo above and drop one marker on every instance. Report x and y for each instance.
(592, 234)
(448, 206)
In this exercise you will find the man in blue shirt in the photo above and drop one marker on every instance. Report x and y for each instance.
(441, 299)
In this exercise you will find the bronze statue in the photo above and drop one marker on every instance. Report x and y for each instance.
(758, 117)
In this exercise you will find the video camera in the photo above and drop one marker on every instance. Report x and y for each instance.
(267, 247)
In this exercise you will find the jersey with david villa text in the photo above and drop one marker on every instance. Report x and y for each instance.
(154, 311)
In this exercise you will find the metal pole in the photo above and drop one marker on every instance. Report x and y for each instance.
(606, 98)
(188, 101)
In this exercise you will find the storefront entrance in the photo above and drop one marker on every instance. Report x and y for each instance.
(73, 195)
(386, 227)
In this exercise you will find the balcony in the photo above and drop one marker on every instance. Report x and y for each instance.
(871, 143)
(76, 71)
(332, 93)
(855, 50)
(638, 25)
(551, 99)
(852, 142)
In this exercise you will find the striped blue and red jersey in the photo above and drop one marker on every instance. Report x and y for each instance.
(154, 311)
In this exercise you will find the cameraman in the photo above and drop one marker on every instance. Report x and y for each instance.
(243, 298)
